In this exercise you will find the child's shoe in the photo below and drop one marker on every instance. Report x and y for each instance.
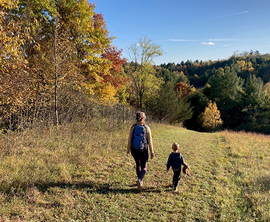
(175, 189)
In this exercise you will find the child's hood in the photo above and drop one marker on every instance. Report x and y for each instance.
(175, 156)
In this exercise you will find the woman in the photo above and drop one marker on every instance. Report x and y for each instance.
(138, 141)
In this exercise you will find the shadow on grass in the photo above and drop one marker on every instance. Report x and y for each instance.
(89, 187)
(263, 183)
(101, 188)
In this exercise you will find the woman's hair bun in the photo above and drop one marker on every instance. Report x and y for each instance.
(140, 116)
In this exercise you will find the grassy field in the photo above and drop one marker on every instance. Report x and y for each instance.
(82, 173)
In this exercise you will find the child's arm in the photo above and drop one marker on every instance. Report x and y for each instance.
(181, 159)
(185, 168)
(168, 163)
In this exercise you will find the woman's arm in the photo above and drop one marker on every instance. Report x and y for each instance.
(150, 142)
(129, 140)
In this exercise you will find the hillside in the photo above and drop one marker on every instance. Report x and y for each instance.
(82, 173)
(245, 64)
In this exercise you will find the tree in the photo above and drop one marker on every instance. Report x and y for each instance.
(117, 77)
(167, 75)
(167, 105)
(198, 102)
(14, 72)
(254, 95)
(53, 54)
(183, 87)
(144, 51)
(210, 118)
(266, 89)
(81, 54)
(225, 88)
(141, 70)
(255, 105)
(86, 36)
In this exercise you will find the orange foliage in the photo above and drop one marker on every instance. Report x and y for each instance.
(115, 78)
(183, 87)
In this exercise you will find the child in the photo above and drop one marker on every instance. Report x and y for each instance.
(175, 161)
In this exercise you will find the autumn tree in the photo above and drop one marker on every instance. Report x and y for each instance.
(70, 39)
(183, 87)
(141, 71)
(14, 77)
(56, 54)
(117, 78)
(210, 118)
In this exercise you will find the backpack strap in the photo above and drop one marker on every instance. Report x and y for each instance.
(133, 132)
(145, 127)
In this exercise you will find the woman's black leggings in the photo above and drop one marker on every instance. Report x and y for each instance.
(141, 158)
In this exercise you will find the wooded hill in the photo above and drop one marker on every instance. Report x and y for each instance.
(239, 86)
(245, 64)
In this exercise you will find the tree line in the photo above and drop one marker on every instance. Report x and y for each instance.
(238, 86)
(57, 61)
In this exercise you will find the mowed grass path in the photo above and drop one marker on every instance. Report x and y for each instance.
(82, 173)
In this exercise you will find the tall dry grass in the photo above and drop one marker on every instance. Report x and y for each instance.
(79, 172)
(249, 155)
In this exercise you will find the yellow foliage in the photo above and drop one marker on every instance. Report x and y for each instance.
(210, 118)
(8, 4)
(106, 94)
(196, 77)
(195, 64)
(71, 53)
(241, 63)
(13, 75)
(249, 64)
(193, 90)
(251, 69)
(245, 66)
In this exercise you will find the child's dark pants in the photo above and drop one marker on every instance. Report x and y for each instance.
(176, 177)
(141, 158)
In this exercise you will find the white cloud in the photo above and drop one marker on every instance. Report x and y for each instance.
(225, 45)
(207, 43)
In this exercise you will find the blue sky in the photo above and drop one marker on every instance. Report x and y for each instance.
(190, 29)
